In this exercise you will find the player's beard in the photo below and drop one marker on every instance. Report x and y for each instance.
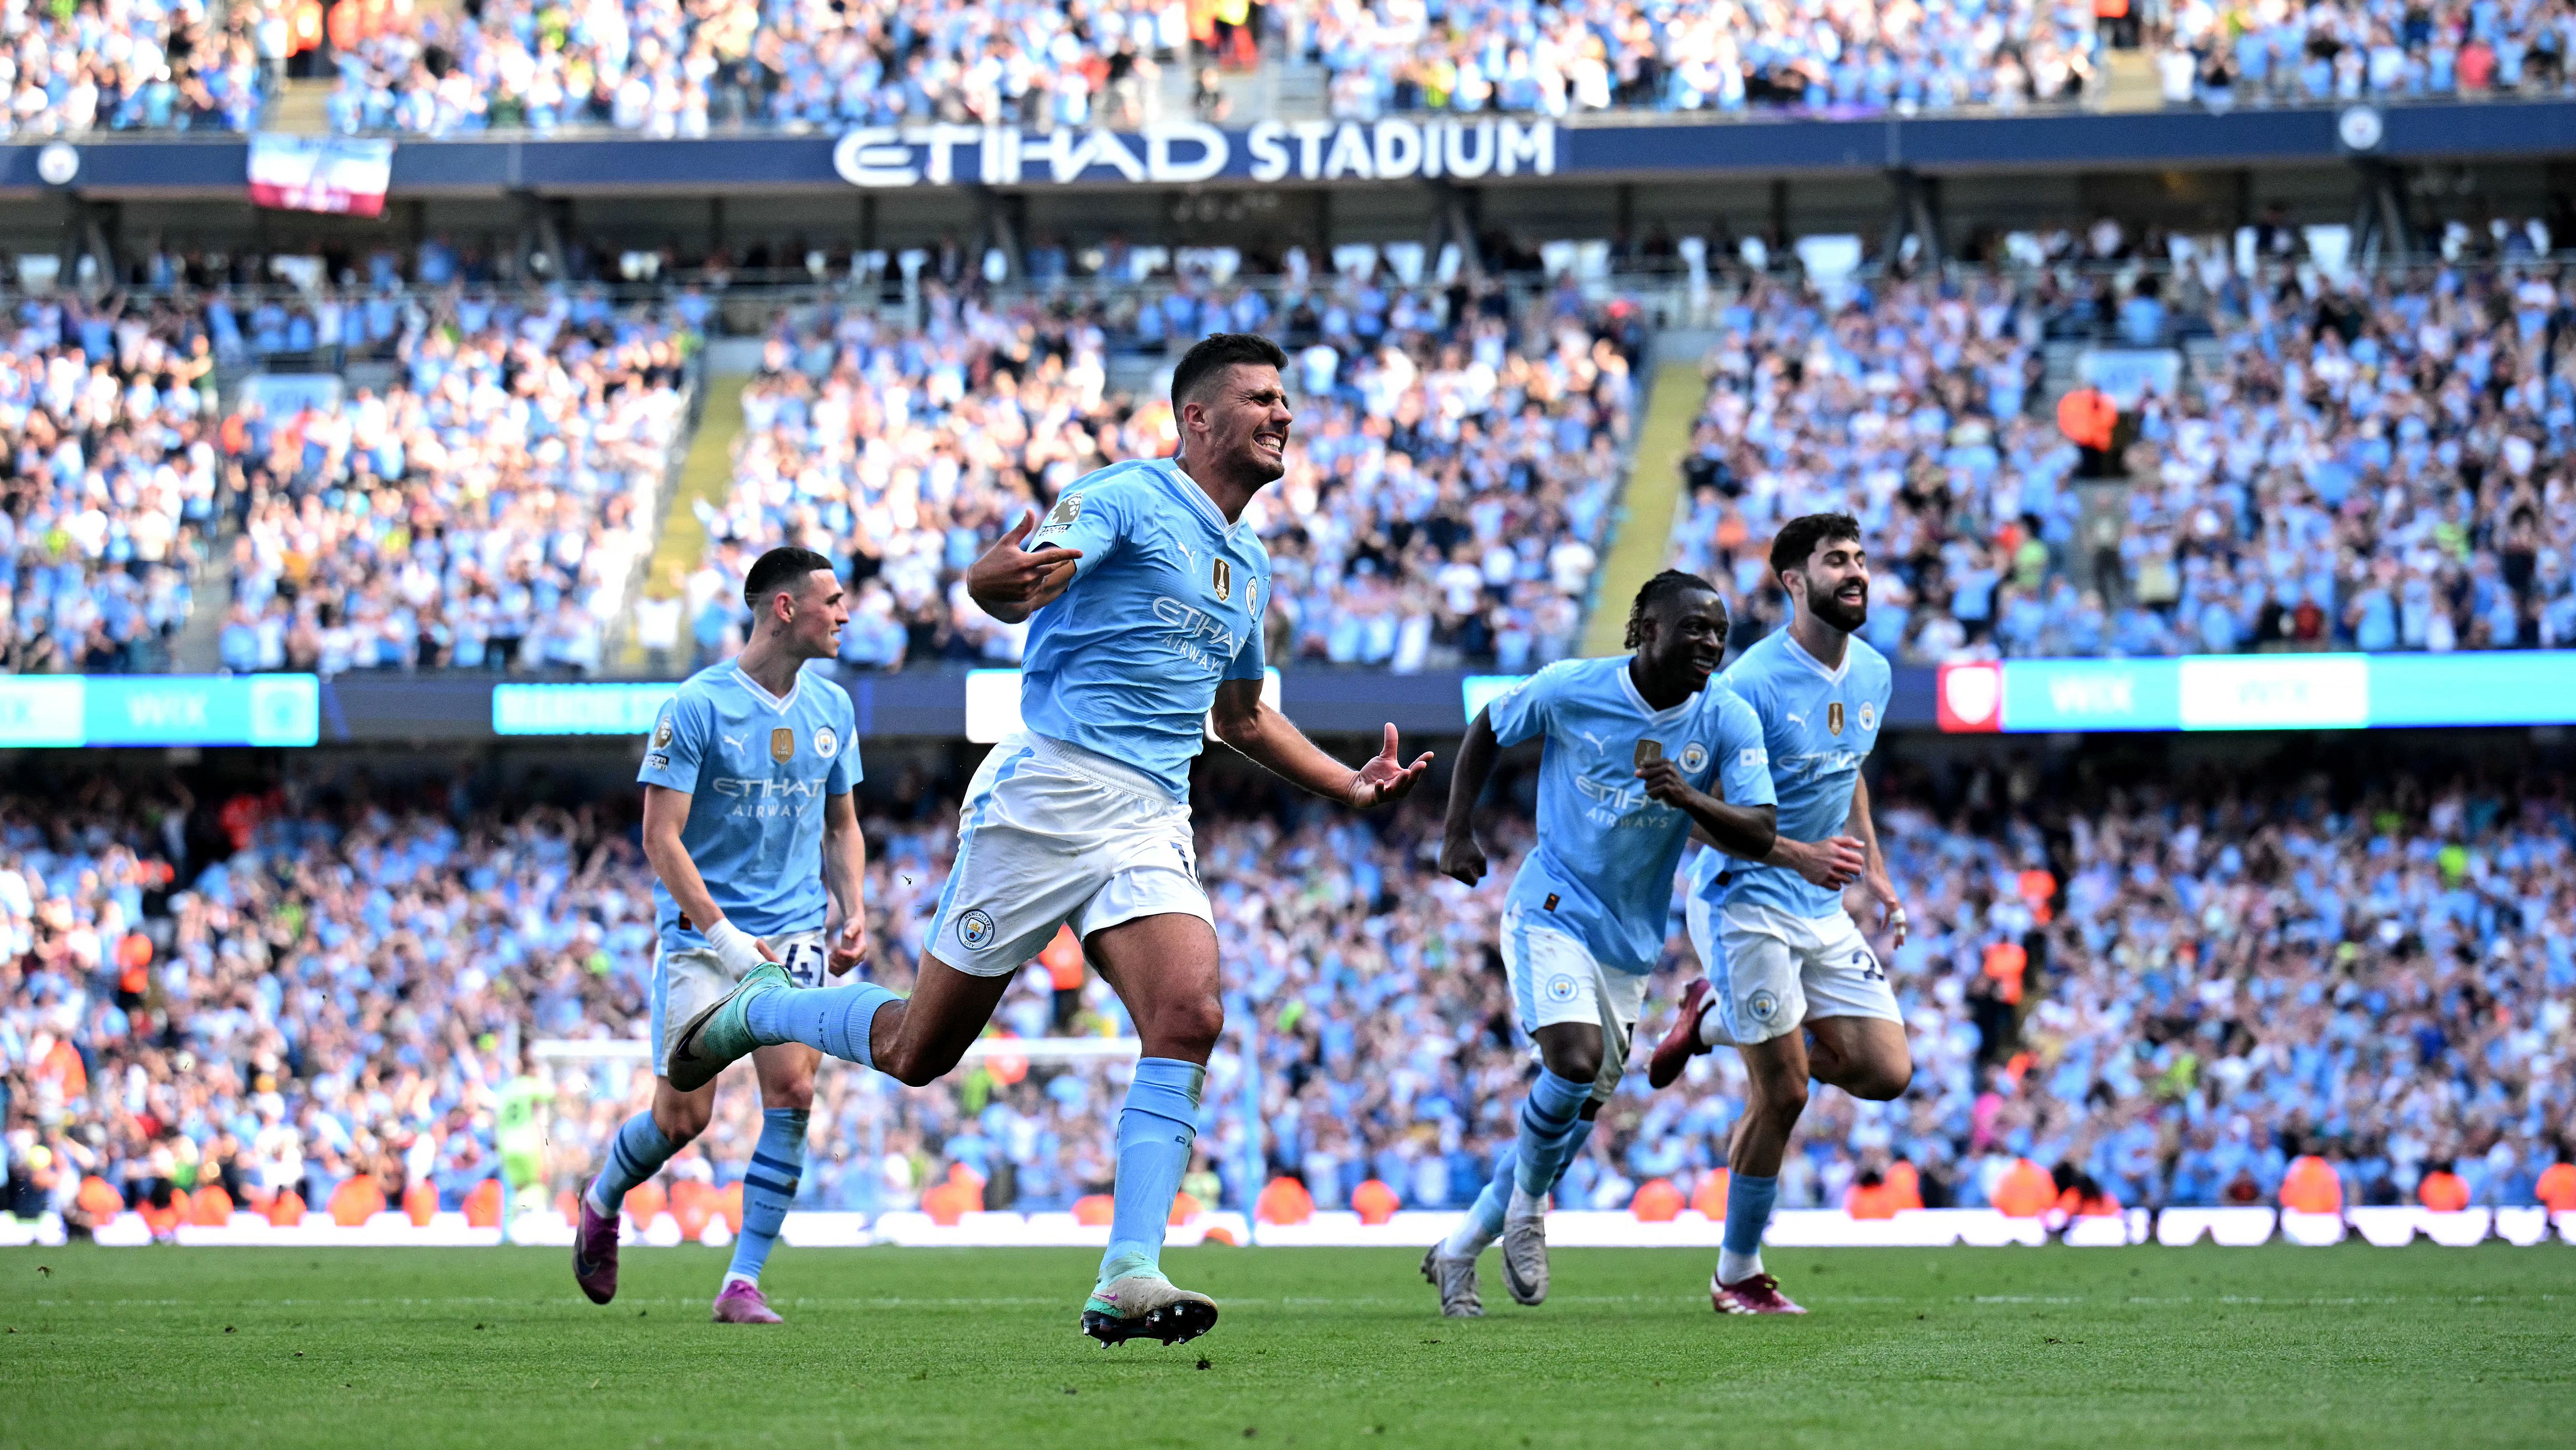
(1832, 610)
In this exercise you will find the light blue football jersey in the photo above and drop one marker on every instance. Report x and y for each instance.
(1602, 871)
(757, 769)
(1165, 602)
(1819, 725)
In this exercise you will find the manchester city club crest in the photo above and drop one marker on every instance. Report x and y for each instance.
(1834, 717)
(1560, 988)
(975, 931)
(1868, 716)
(827, 742)
(1694, 758)
(1763, 1006)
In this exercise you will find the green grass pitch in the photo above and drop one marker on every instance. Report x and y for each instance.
(978, 1350)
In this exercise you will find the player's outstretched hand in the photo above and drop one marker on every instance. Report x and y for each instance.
(849, 946)
(1386, 778)
(1011, 583)
(1462, 859)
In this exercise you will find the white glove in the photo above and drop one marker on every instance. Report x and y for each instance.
(739, 950)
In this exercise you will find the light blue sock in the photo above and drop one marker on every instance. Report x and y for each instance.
(637, 1152)
(1154, 1134)
(834, 1020)
(1484, 1221)
(1574, 1145)
(1548, 1119)
(1748, 1212)
(768, 1186)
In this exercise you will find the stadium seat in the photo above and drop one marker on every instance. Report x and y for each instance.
(2459, 1228)
(729, 1207)
(420, 1204)
(2314, 1230)
(2523, 1225)
(2096, 1231)
(1656, 1201)
(2391, 1226)
(1094, 1210)
(286, 1209)
(483, 1204)
(1184, 1208)
(2234, 1227)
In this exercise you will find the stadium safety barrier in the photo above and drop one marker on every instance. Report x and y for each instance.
(2388, 1227)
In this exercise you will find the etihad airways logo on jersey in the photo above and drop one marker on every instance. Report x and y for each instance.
(762, 799)
(1621, 807)
(1197, 636)
(1823, 762)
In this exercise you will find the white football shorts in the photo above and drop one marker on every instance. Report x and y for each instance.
(1554, 979)
(1052, 833)
(685, 981)
(1773, 972)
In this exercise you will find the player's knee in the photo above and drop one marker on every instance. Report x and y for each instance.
(1184, 1026)
(1781, 1097)
(915, 1066)
(1882, 1082)
(1575, 1064)
(681, 1121)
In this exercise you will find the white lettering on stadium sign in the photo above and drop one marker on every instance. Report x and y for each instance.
(1188, 152)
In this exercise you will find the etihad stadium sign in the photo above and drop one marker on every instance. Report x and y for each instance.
(1188, 152)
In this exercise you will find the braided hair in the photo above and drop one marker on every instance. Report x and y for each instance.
(1668, 584)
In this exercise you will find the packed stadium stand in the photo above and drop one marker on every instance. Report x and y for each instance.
(2175, 984)
(109, 415)
(2374, 467)
(132, 65)
(494, 502)
(1449, 478)
(671, 71)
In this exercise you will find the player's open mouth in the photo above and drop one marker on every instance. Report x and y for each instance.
(1275, 442)
(1853, 594)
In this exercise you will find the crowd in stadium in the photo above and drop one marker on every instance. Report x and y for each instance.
(1452, 462)
(2174, 988)
(663, 69)
(2376, 466)
(107, 412)
(488, 509)
(129, 65)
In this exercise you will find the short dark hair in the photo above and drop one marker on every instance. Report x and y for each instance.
(1797, 540)
(1670, 584)
(781, 568)
(1216, 352)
